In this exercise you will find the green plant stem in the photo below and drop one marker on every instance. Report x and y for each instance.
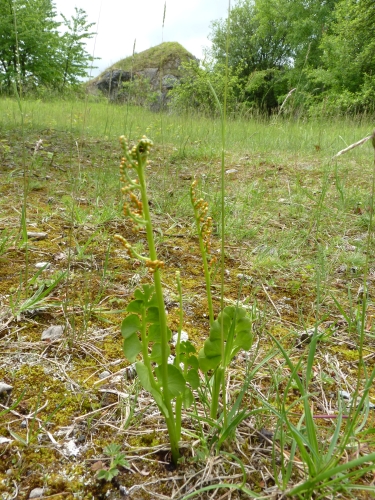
(161, 306)
(180, 323)
(146, 358)
(181, 318)
(207, 275)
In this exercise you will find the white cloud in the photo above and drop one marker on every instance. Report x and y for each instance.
(119, 23)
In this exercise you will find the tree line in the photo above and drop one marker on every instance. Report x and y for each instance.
(37, 52)
(315, 57)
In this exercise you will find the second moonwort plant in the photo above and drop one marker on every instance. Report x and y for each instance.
(145, 330)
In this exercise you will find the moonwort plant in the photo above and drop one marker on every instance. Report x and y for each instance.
(165, 381)
(231, 331)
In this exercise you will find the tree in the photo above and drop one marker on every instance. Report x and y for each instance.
(75, 59)
(254, 46)
(350, 44)
(33, 53)
(28, 41)
(274, 42)
(346, 76)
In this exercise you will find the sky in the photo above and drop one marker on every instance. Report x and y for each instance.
(119, 22)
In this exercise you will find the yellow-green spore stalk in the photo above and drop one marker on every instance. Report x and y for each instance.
(135, 159)
(204, 230)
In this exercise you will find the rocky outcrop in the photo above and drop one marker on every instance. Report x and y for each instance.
(111, 81)
(153, 74)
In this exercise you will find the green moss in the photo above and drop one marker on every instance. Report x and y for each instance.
(155, 57)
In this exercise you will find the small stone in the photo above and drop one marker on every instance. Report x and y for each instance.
(36, 236)
(4, 440)
(42, 265)
(184, 337)
(5, 388)
(59, 256)
(124, 491)
(231, 171)
(308, 334)
(345, 395)
(36, 493)
(265, 435)
(104, 374)
(130, 372)
(186, 177)
(342, 269)
(244, 277)
(362, 293)
(53, 333)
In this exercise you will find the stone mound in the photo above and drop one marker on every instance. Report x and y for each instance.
(157, 70)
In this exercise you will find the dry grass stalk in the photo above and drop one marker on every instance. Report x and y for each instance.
(359, 143)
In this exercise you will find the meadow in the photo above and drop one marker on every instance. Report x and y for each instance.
(298, 255)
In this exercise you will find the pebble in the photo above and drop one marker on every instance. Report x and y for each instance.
(104, 374)
(53, 333)
(131, 372)
(36, 236)
(36, 493)
(42, 265)
(231, 171)
(124, 491)
(5, 388)
(4, 440)
(184, 337)
(244, 277)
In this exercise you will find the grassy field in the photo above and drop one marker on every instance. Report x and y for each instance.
(299, 253)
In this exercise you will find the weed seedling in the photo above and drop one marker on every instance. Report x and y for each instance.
(117, 459)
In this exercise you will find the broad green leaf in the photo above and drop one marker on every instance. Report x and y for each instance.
(212, 348)
(153, 302)
(215, 330)
(112, 449)
(130, 325)
(189, 361)
(144, 378)
(135, 306)
(187, 347)
(152, 315)
(154, 333)
(156, 353)
(132, 347)
(237, 335)
(145, 294)
(206, 364)
(243, 340)
(193, 378)
(176, 381)
(187, 398)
